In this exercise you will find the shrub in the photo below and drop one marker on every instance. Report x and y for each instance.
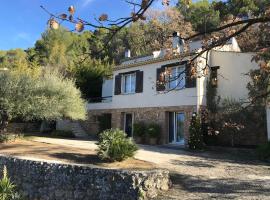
(48, 97)
(5, 137)
(114, 145)
(263, 151)
(139, 129)
(195, 134)
(7, 188)
(153, 130)
(64, 134)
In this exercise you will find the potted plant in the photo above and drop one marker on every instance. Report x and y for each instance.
(139, 132)
(153, 132)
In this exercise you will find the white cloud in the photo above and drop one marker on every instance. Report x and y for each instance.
(22, 36)
(86, 3)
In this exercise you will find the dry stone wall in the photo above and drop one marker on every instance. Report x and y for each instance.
(50, 181)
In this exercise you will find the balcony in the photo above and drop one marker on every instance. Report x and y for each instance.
(97, 103)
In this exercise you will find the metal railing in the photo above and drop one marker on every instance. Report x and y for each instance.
(100, 99)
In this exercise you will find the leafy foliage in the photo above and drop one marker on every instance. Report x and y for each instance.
(201, 14)
(233, 120)
(263, 151)
(7, 188)
(212, 99)
(195, 140)
(4, 138)
(9, 137)
(139, 129)
(153, 130)
(114, 145)
(89, 77)
(48, 97)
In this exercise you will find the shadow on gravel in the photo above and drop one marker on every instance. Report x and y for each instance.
(230, 155)
(192, 163)
(221, 187)
(78, 158)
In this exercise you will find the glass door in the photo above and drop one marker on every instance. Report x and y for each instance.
(176, 127)
(128, 124)
(179, 130)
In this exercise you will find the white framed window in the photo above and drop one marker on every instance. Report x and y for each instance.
(128, 83)
(177, 78)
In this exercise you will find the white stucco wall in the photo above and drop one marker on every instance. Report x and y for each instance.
(150, 97)
(232, 78)
(232, 82)
(201, 80)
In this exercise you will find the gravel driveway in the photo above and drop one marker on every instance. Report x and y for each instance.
(201, 175)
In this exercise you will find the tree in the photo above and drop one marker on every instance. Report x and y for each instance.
(201, 14)
(17, 59)
(48, 97)
(53, 49)
(89, 77)
(195, 140)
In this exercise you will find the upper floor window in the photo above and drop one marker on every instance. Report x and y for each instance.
(176, 78)
(128, 83)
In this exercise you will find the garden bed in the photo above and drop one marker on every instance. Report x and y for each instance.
(64, 154)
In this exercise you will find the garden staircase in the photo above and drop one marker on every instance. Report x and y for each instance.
(78, 131)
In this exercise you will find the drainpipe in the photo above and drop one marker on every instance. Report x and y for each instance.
(198, 84)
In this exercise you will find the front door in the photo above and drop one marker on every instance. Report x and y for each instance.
(176, 127)
(128, 124)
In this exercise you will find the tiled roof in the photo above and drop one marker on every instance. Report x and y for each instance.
(149, 61)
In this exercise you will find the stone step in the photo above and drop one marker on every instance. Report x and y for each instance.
(78, 130)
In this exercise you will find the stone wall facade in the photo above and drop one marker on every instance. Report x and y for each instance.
(158, 115)
(23, 127)
(50, 181)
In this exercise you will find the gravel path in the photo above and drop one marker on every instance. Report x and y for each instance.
(201, 175)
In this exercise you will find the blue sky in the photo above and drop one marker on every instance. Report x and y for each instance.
(23, 21)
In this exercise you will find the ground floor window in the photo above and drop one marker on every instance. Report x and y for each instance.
(176, 127)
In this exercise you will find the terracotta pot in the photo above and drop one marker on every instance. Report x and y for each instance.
(152, 141)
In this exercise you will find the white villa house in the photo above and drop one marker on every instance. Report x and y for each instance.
(132, 95)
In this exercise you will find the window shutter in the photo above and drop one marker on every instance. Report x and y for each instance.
(160, 87)
(139, 82)
(117, 84)
(190, 81)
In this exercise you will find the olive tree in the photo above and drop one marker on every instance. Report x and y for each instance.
(47, 97)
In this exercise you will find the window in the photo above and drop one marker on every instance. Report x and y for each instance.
(214, 76)
(128, 83)
(177, 78)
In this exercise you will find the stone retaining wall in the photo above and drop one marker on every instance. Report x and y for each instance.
(23, 127)
(50, 181)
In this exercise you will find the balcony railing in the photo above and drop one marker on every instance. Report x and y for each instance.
(100, 99)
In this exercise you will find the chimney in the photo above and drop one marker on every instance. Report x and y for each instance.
(178, 43)
(127, 53)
